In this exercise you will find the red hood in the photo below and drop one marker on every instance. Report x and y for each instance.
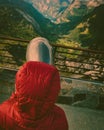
(37, 88)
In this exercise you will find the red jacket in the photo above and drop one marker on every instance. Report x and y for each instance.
(32, 106)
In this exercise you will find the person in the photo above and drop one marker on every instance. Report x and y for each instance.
(32, 105)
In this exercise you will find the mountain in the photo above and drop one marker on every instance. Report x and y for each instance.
(26, 11)
(60, 21)
(51, 9)
(13, 24)
(59, 11)
(42, 25)
(89, 32)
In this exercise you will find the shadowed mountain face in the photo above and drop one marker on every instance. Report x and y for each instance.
(94, 23)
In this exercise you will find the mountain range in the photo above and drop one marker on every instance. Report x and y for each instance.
(74, 22)
(63, 10)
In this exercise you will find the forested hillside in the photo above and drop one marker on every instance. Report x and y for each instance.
(13, 24)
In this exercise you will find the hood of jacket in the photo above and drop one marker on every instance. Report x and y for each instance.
(37, 87)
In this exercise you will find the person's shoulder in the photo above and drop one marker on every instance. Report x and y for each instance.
(5, 113)
(59, 111)
(5, 106)
(60, 119)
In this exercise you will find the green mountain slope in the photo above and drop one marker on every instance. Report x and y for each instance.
(89, 32)
(13, 24)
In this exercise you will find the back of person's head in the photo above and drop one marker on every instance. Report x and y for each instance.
(37, 88)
